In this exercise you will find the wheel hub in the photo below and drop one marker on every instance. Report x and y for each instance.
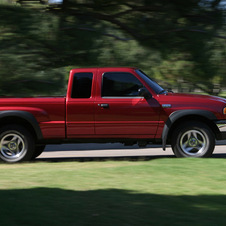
(193, 142)
(12, 146)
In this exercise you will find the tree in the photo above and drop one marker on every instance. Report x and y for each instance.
(185, 31)
(26, 51)
(171, 39)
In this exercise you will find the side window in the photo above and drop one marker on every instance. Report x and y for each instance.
(120, 84)
(82, 85)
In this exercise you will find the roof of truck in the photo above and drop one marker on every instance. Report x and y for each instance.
(103, 68)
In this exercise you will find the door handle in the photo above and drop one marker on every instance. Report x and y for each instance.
(103, 105)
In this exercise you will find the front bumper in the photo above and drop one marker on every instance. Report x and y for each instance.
(222, 128)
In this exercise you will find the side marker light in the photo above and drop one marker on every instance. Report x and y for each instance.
(224, 111)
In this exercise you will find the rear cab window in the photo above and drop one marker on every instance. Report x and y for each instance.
(82, 85)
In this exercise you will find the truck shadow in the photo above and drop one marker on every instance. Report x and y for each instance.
(118, 158)
(84, 153)
(219, 155)
(101, 159)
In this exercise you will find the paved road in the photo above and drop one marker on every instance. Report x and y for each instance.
(96, 151)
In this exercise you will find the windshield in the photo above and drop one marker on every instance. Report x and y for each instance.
(154, 85)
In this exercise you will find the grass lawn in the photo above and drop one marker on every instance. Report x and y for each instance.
(156, 192)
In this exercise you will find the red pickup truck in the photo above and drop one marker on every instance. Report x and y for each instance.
(111, 105)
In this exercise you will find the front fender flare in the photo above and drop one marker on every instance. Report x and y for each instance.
(182, 113)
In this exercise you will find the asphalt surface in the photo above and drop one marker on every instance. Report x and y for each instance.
(92, 151)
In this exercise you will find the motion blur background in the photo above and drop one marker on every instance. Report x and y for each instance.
(181, 44)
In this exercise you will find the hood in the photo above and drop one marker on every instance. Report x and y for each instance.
(199, 97)
(171, 102)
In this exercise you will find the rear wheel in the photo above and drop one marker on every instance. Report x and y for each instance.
(16, 144)
(193, 139)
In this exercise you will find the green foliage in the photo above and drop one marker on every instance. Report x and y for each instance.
(184, 31)
(26, 52)
(171, 40)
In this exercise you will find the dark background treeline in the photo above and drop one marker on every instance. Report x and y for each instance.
(181, 43)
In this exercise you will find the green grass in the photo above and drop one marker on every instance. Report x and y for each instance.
(156, 192)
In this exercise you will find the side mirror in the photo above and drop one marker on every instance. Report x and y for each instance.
(143, 92)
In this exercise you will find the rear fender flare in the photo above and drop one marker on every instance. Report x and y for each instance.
(27, 116)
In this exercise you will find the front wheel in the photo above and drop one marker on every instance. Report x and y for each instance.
(193, 139)
(16, 144)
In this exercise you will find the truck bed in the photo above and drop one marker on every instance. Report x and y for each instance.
(48, 111)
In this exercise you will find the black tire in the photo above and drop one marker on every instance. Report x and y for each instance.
(193, 139)
(16, 144)
(38, 151)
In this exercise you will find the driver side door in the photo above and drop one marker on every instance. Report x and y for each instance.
(119, 110)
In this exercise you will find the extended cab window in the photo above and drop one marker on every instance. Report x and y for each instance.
(82, 85)
(120, 84)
